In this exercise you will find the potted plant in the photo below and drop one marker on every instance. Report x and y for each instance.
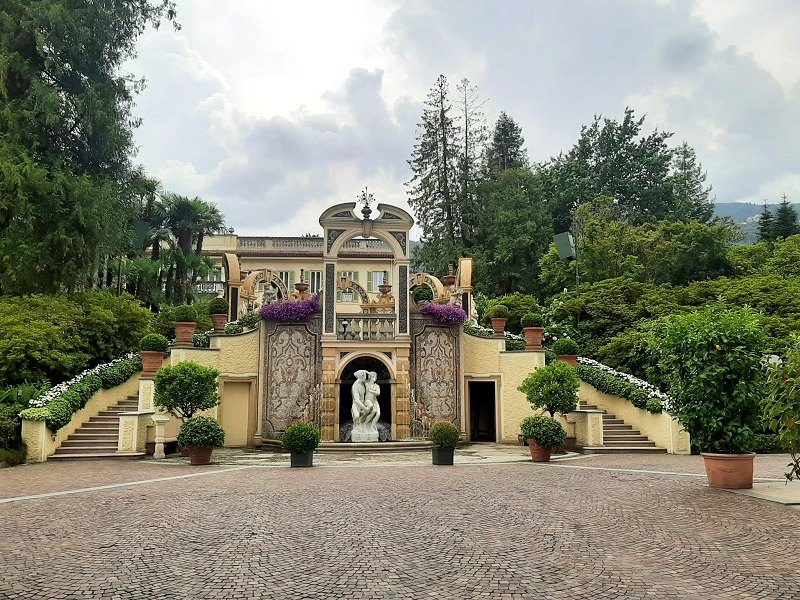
(201, 435)
(543, 434)
(422, 293)
(152, 348)
(782, 407)
(445, 437)
(301, 439)
(218, 308)
(566, 350)
(712, 362)
(553, 388)
(532, 330)
(185, 325)
(498, 315)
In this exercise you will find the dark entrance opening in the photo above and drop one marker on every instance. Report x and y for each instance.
(365, 363)
(482, 426)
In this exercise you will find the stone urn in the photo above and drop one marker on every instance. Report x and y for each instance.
(384, 288)
(184, 330)
(499, 325)
(448, 280)
(533, 337)
(151, 362)
(302, 289)
(219, 322)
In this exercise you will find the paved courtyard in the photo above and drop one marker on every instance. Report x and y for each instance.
(392, 526)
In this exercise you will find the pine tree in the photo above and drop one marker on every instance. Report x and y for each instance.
(472, 124)
(434, 185)
(766, 225)
(506, 149)
(691, 195)
(785, 220)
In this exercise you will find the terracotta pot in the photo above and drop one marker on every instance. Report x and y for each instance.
(729, 471)
(570, 359)
(183, 450)
(184, 330)
(539, 454)
(533, 337)
(499, 325)
(219, 322)
(199, 455)
(151, 362)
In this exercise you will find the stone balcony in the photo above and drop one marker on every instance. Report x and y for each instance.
(366, 327)
(308, 246)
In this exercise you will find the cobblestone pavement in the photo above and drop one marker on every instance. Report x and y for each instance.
(503, 530)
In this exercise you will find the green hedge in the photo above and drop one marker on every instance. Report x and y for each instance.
(13, 457)
(609, 384)
(60, 405)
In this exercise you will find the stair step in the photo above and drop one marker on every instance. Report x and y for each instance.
(629, 443)
(624, 450)
(93, 449)
(89, 443)
(110, 420)
(621, 427)
(637, 437)
(105, 455)
(612, 421)
(97, 427)
(588, 407)
(92, 434)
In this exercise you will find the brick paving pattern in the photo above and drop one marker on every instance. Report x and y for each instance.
(508, 531)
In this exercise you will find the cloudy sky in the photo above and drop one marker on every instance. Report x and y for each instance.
(275, 110)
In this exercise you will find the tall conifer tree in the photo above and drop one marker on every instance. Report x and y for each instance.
(766, 225)
(785, 220)
(506, 149)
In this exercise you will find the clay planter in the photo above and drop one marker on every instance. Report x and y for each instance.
(219, 322)
(729, 471)
(200, 456)
(442, 456)
(570, 359)
(305, 459)
(499, 325)
(184, 330)
(151, 362)
(184, 450)
(533, 337)
(539, 454)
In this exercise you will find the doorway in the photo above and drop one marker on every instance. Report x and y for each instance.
(365, 363)
(482, 411)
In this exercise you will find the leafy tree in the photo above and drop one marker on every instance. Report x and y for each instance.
(691, 195)
(66, 137)
(785, 259)
(186, 388)
(766, 225)
(785, 220)
(506, 149)
(553, 388)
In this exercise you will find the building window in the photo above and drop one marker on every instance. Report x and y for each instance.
(314, 281)
(351, 295)
(374, 279)
(286, 277)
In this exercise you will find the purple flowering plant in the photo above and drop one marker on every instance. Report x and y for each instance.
(446, 314)
(290, 311)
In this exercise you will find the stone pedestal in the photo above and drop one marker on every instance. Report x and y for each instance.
(364, 435)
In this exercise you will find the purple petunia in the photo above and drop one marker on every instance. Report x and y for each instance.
(446, 314)
(290, 311)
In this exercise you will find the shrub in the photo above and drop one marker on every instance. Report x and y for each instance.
(565, 346)
(301, 438)
(290, 311)
(9, 428)
(498, 311)
(517, 304)
(422, 293)
(712, 360)
(218, 306)
(186, 388)
(553, 388)
(531, 320)
(164, 321)
(202, 339)
(201, 432)
(233, 328)
(545, 431)
(768, 443)
(605, 379)
(154, 342)
(250, 320)
(514, 345)
(13, 456)
(185, 313)
(781, 407)
(446, 314)
(444, 434)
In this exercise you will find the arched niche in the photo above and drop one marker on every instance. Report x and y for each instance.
(417, 279)
(362, 293)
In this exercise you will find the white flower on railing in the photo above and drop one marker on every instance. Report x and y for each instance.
(653, 391)
(55, 391)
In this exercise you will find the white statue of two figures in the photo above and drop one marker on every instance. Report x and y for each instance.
(365, 410)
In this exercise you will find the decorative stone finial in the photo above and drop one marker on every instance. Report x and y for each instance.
(366, 199)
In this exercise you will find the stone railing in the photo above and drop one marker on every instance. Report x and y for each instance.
(366, 327)
(307, 244)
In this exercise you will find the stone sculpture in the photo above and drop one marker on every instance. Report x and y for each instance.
(365, 409)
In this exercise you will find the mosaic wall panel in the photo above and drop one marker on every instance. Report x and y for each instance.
(435, 375)
(292, 368)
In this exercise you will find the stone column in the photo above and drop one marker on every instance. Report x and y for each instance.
(329, 299)
(402, 416)
(588, 427)
(159, 421)
(37, 438)
(329, 396)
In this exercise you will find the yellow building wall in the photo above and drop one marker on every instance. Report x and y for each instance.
(235, 412)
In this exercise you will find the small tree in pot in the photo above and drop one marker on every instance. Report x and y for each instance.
(301, 439)
(185, 325)
(543, 434)
(712, 360)
(445, 437)
(186, 388)
(567, 351)
(152, 348)
(201, 435)
(498, 314)
(218, 308)
(553, 388)
(532, 330)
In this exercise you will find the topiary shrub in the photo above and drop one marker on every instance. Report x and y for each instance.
(250, 320)
(444, 434)
(218, 306)
(186, 388)
(422, 293)
(201, 432)
(545, 431)
(553, 388)
(565, 346)
(498, 311)
(301, 438)
(185, 313)
(154, 342)
(531, 320)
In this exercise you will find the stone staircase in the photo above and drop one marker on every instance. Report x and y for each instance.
(619, 438)
(97, 437)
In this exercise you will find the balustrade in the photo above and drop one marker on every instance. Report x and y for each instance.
(366, 327)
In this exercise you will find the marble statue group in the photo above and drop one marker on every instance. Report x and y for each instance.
(365, 410)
